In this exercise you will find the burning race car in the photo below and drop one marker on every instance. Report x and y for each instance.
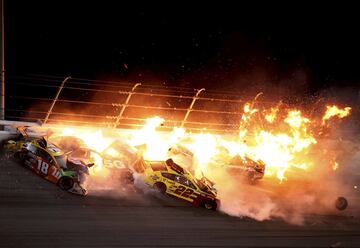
(118, 158)
(236, 166)
(253, 170)
(169, 178)
(48, 161)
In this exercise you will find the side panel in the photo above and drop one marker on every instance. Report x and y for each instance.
(43, 167)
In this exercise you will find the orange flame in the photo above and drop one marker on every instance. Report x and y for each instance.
(332, 111)
(282, 147)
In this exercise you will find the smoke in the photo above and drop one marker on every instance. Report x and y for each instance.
(301, 195)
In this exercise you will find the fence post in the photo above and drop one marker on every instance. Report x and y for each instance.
(56, 98)
(125, 104)
(191, 106)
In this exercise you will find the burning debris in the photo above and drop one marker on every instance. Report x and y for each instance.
(334, 111)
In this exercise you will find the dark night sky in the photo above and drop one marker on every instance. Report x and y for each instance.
(224, 44)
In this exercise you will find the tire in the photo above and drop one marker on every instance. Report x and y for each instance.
(210, 205)
(20, 156)
(160, 187)
(341, 203)
(65, 183)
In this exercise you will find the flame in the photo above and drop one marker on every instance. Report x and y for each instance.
(332, 111)
(335, 166)
(272, 115)
(112, 152)
(279, 137)
(295, 120)
(248, 112)
(156, 148)
(93, 139)
(279, 150)
(203, 148)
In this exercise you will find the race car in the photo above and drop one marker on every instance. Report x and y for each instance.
(118, 157)
(118, 168)
(236, 166)
(169, 178)
(48, 161)
(253, 170)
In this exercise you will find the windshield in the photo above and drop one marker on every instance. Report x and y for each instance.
(61, 160)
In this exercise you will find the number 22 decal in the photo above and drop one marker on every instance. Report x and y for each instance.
(181, 190)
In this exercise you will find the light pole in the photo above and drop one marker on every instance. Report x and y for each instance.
(2, 90)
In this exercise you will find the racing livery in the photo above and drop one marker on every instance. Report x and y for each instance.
(48, 161)
(169, 178)
(118, 168)
(118, 157)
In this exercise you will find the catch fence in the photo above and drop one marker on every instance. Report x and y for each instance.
(77, 101)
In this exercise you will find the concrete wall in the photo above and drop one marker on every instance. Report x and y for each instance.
(4, 135)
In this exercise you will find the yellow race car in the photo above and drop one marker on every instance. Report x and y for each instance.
(170, 178)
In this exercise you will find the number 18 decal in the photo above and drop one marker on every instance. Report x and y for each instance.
(43, 167)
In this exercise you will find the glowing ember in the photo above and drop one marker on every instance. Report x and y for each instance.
(335, 166)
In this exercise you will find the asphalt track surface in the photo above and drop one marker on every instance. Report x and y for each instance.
(35, 213)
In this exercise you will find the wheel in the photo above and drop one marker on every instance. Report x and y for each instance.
(20, 156)
(341, 203)
(160, 187)
(210, 204)
(66, 183)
